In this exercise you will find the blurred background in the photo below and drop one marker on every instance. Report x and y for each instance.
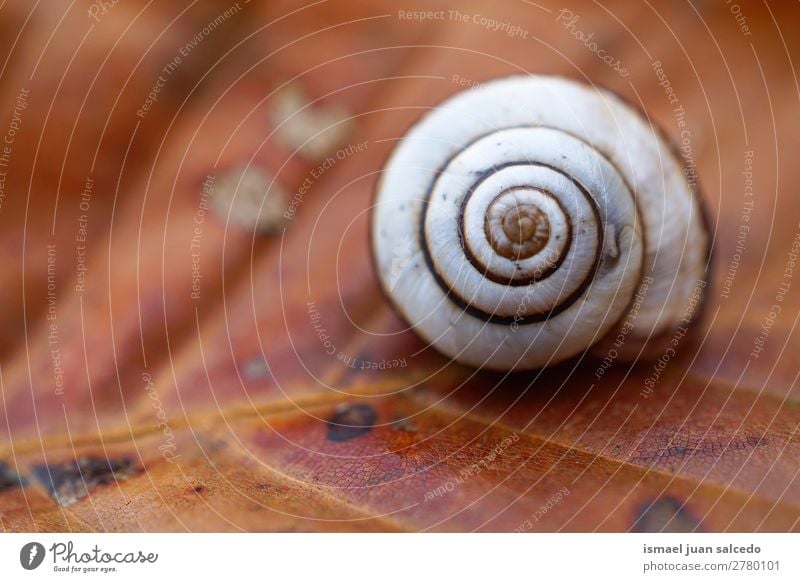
(191, 333)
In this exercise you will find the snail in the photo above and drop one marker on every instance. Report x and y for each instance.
(533, 218)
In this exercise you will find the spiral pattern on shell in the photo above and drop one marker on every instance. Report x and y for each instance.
(534, 208)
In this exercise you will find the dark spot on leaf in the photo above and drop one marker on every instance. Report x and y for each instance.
(70, 481)
(255, 368)
(263, 487)
(9, 479)
(350, 421)
(423, 466)
(673, 448)
(404, 425)
(198, 488)
(392, 475)
(215, 446)
(665, 515)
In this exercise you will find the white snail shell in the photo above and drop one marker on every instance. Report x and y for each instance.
(516, 223)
